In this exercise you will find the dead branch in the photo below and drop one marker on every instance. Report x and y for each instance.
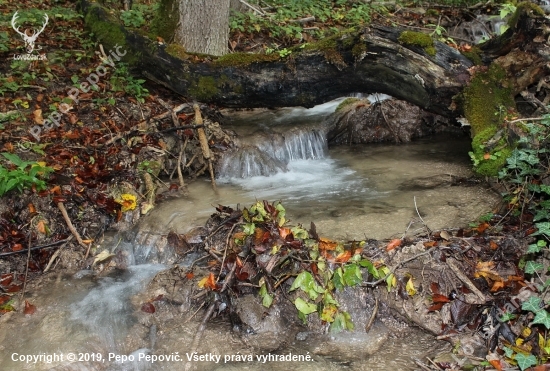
(452, 263)
(70, 225)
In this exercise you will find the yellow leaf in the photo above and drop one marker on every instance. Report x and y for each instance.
(410, 287)
(128, 202)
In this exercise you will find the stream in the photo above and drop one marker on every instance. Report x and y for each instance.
(357, 192)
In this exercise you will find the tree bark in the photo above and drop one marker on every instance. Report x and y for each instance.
(203, 26)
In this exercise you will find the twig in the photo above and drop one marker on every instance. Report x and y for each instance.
(451, 262)
(259, 11)
(29, 239)
(527, 119)
(180, 175)
(56, 254)
(373, 316)
(70, 225)
(225, 250)
(200, 331)
(204, 144)
(46, 246)
(193, 315)
(423, 222)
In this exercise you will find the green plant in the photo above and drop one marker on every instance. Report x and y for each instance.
(25, 175)
(132, 18)
(122, 80)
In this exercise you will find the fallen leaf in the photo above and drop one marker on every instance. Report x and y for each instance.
(326, 244)
(343, 257)
(29, 308)
(445, 235)
(393, 244)
(148, 308)
(497, 286)
(32, 209)
(102, 256)
(189, 275)
(41, 226)
(493, 245)
(37, 116)
(435, 307)
(482, 227)
(438, 298)
(410, 287)
(208, 282)
(430, 243)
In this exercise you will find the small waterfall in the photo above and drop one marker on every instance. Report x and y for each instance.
(269, 153)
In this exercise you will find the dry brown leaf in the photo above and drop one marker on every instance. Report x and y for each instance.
(41, 226)
(37, 116)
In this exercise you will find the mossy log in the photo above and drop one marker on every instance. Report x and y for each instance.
(374, 59)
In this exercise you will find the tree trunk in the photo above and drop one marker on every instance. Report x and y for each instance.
(203, 26)
(374, 59)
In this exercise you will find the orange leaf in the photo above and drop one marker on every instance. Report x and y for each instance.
(41, 226)
(17, 247)
(496, 364)
(482, 227)
(430, 243)
(39, 97)
(283, 232)
(326, 244)
(208, 282)
(393, 244)
(486, 156)
(343, 257)
(493, 245)
(29, 308)
(190, 275)
(32, 209)
(497, 286)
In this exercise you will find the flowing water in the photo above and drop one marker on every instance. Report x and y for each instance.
(375, 191)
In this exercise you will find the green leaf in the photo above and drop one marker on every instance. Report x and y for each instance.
(304, 279)
(508, 351)
(249, 228)
(305, 307)
(543, 228)
(267, 300)
(352, 275)
(532, 305)
(525, 361)
(338, 279)
(370, 268)
(507, 317)
(299, 233)
(542, 317)
(342, 321)
(533, 267)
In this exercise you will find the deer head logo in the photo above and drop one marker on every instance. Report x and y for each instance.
(29, 39)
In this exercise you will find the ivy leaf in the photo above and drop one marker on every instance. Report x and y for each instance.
(507, 317)
(305, 307)
(525, 361)
(543, 228)
(542, 317)
(532, 305)
(533, 267)
(267, 300)
(508, 351)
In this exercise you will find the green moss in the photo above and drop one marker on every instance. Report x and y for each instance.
(205, 88)
(485, 101)
(346, 102)
(244, 59)
(177, 51)
(109, 32)
(420, 39)
(359, 49)
(474, 55)
(166, 19)
(527, 7)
